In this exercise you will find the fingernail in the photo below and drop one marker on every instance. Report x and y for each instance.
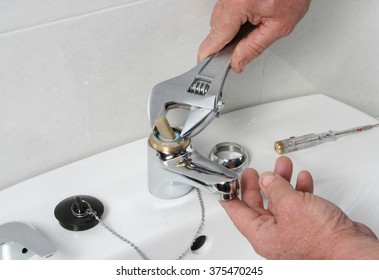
(267, 179)
(242, 64)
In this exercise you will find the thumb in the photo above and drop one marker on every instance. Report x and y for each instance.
(275, 188)
(219, 35)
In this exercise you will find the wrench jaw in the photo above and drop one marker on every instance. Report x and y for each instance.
(197, 120)
(194, 91)
(176, 93)
(198, 117)
(171, 94)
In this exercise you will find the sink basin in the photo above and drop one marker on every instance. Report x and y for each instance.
(345, 172)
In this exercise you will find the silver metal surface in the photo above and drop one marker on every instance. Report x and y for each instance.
(26, 237)
(231, 155)
(199, 90)
(174, 167)
(77, 214)
(174, 174)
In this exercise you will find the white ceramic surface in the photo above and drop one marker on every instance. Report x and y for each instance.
(345, 171)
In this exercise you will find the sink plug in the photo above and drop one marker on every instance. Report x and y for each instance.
(73, 213)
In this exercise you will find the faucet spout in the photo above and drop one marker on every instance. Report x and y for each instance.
(175, 168)
(207, 175)
(26, 236)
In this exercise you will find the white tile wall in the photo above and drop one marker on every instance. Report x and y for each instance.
(16, 15)
(333, 51)
(79, 84)
(75, 75)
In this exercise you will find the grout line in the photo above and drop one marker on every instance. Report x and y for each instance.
(74, 17)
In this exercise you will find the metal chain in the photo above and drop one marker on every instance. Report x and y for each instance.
(93, 213)
(202, 208)
(119, 236)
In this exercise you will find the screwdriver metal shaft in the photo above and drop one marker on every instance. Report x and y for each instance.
(313, 139)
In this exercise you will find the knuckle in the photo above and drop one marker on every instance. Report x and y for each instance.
(283, 28)
(217, 35)
(254, 48)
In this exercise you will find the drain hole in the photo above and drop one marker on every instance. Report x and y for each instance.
(199, 242)
(24, 250)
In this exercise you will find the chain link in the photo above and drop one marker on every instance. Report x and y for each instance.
(202, 208)
(93, 213)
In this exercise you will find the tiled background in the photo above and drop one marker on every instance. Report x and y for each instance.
(75, 75)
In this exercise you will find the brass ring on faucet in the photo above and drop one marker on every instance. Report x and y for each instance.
(166, 146)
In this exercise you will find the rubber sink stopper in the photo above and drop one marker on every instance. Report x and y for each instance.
(72, 212)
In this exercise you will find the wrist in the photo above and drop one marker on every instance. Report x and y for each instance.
(354, 247)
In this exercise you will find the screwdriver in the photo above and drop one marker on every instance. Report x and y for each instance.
(313, 139)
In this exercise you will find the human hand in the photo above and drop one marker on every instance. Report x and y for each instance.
(296, 224)
(274, 19)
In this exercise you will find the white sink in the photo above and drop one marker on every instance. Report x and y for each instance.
(345, 172)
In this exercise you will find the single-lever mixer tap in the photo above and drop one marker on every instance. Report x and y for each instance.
(174, 166)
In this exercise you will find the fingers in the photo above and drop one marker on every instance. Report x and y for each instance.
(276, 189)
(251, 197)
(239, 212)
(274, 20)
(245, 212)
(254, 45)
(251, 192)
(246, 219)
(217, 11)
(225, 24)
(304, 182)
(242, 215)
(284, 167)
(221, 33)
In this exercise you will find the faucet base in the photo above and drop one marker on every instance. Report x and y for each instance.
(170, 190)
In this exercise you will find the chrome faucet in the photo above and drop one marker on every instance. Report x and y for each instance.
(174, 167)
(23, 237)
